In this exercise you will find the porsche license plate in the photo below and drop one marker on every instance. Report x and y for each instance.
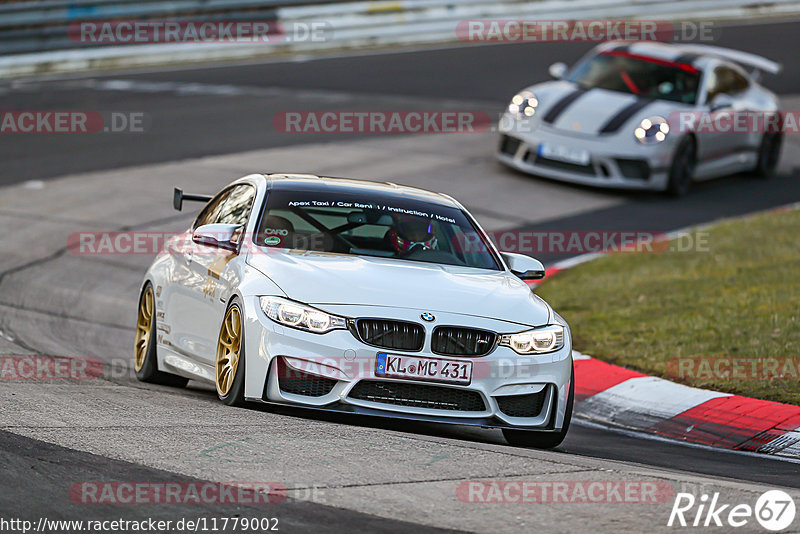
(566, 154)
(420, 368)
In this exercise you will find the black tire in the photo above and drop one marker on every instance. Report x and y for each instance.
(235, 395)
(681, 172)
(769, 154)
(149, 370)
(544, 440)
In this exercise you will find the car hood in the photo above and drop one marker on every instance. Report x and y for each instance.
(321, 279)
(598, 108)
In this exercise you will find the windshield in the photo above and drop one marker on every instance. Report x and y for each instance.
(639, 75)
(367, 224)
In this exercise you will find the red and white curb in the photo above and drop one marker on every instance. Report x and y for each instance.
(616, 396)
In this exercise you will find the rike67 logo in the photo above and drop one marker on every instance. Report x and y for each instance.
(774, 510)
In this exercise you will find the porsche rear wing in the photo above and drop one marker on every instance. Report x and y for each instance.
(745, 59)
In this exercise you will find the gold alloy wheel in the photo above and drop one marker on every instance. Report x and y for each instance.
(144, 326)
(228, 350)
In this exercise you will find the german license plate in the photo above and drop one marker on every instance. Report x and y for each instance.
(420, 368)
(566, 154)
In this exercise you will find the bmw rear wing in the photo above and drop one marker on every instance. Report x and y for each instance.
(178, 196)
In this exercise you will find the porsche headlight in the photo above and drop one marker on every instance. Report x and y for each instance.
(523, 104)
(296, 315)
(652, 130)
(537, 341)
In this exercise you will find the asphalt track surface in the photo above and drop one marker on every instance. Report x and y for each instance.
(193, 124)
(41, 469)
(192, 118)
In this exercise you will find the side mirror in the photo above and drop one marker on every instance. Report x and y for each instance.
(721, 101)
(524, 267)
(218, 235)
(558, 70)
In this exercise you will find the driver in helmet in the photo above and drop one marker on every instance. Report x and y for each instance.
(410, 233)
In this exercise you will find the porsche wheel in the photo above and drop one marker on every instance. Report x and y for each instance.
(544, 440)
(230, 358)
(145, 361)
(769, 153)
(681, 171)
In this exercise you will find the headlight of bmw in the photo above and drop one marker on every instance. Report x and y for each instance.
(652, 130)
(300, 316)
(523, 104)
(537, 341)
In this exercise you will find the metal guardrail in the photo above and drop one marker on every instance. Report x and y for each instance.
(41, 26)
(80, 7)
(34, 36)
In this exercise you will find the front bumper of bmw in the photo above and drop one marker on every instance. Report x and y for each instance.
(336, 372)
(614, 160)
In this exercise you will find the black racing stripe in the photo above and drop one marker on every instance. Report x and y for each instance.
(562, 105)
(616, 122)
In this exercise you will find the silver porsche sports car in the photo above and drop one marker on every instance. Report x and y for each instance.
(358, 297)
(646, 115)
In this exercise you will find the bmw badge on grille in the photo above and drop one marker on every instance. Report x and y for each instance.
(428, 317)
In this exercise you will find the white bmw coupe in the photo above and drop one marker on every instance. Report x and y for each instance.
(352, 296)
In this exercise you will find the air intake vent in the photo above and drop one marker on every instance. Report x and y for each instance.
(299, 383)
(419, 396)
(509, 145)
(522, 405)
(397, 335)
